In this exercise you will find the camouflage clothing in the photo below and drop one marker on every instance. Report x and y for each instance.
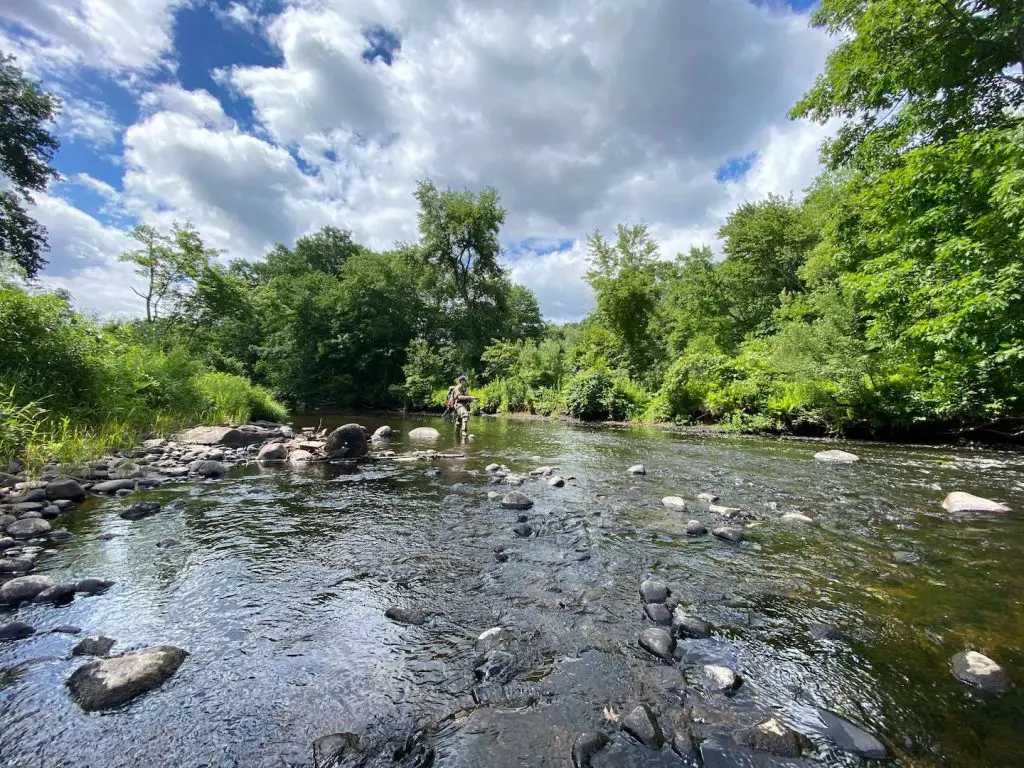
(461, 408)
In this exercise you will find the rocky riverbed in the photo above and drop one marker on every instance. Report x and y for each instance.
(542, 595)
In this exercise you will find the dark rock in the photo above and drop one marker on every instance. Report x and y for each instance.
(824, 631)
(96, 645)
(7, 480)
(682, 745)
(273, 453)
(59, 594)
(29, 528)
(516, 500)
(7, 542)
(523, 530)
(208, 468)
(658, 642)
(27, 509)
(587, 745)
(980, 671)
(66, 629)
(658, 613)
(346, 442)
(734, 535)
(50, 512)
(167, 543)
(556, 482)
(15, 630)
(93, 586)
(497, 666)
(113, 486)
(9, 565)
(406, 615)
(61, 535)
(642, 725)
(850, 737)
(23, 588)
(29, 496)
(139, 510)
(112, 682)
(906, 557)
(772, 737)
(653, 591)
(65, 488)
(522, 518)
(685, 625)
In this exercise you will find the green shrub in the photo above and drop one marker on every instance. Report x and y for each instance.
(234, 399)
(702, 369)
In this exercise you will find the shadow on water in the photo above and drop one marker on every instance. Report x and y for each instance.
(280, 582)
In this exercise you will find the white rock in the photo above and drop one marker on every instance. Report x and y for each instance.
(795, 517)
(637, 469)
(424, 433)
(977, 669)
(300, 456)
(674, 502)
(836, 457)
(958, 501)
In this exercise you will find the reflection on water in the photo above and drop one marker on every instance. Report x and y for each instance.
(281, 579)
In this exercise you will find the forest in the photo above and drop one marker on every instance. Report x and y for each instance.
(884, 301)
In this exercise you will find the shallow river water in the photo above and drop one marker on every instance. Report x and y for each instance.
(279, 588)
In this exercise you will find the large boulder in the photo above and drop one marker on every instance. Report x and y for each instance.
(28, 528)
(65, 488)
(979, 670)
(658, 642)
(112, 682)
(642, 725)
(382, 434)
(23, 589)
(424, 433)
(113, 486)
(346, 442)
(273, 453)
(208, 468)
(958, 501)
(229, 437)
(516, 500)
(15, 630)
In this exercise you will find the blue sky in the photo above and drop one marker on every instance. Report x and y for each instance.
(262, 120)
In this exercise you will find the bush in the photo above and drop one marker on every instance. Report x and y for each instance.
(701, 370)
(234, 399)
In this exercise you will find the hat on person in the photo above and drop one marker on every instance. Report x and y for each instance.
(463, 378)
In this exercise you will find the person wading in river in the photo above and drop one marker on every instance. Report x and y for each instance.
(459, 400)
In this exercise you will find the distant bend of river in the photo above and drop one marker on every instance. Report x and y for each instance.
(279, 588)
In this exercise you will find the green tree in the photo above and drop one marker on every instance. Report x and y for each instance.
(167, 263)
(26, 150)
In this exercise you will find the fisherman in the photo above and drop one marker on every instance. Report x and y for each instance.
(459, 400)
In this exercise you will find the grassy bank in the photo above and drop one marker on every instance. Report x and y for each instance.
(72, 388)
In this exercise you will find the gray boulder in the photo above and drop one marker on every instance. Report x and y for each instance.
(15, 630)
(685, 625)
(637, 469)
(773, 737)
(980, 671)
(28, 528)
(401, 615)
(850, 737)
(707, 497)
(112, 682)
(58, 594)
(658, 642)
(139, 510)
(734, 535)
(113, 486)
(958, 501)
(382, 434)
(273, 453)
(346, 442)
(658, 613)
(229, 437)
(652, 591)
(92, 586)
(96, 645)
(836, 457)
(516, 500)
(23, 589)
(65, 488)
(208, 468)
(696, 528)
(642, 725)
(9, 565)
(586, 746)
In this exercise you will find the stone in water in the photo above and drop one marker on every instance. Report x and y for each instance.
(958, 501)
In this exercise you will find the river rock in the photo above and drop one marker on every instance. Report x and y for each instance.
(658, 613)
(556, 482)
(65, 488)
(6, 520)
(51, 512)
(659, 642)
(492, 468)
(93, 586)
(382, 433)
(796, 517)
(541, 471)
(113, 486)
(958, 501)
(637, 469)
(61, 535)
(208, 468)
(674, 503)
(125, 469)
(112, 682)
(15, 630)
(58, 594)
(824, 631)
(23, 588)
(642, 725)
(28, 509)
(725, 511)
(496, 666)
(139, 510)
(229, 437)
(167, 543)
(7, 542)
(836, 457)
(28, 528)
(28, 495)
(516, 500)
(15, 565)
(495, 637)
(96, 645)
(850, 737)
(523, 530)
(493, 495)
(424, 433)
(273, 453)
(300, 456)
(586, 746)
(734, 535)
(685, 625)
(719, 679)
(773, 737)
(979, 670)
(652, 591)
(406, 615)
(710, 497)
(696, 528)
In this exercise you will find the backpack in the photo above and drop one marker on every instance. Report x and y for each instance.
(450, 402)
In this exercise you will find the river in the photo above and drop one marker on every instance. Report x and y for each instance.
(279, 588)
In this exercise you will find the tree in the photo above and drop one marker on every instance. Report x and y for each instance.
(327, 250)
(167, 262)
(26, 149)
(915, 72)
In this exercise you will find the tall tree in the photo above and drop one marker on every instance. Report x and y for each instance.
(26, 150)
(913, 72)
(167, 263)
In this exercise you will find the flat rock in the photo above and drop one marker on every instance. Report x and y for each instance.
(642, 725)
(980, 671)
(29, 528)
(707, 497)
(586, 746)
(112, 682)
(659, 642)
(516, 500)
(658, 613)
(9, 565)
(539, 471)
(95, 645)
(958, 501)
(725, 511)
(300, 456)
(65, 488)
(734, 535)
(113, 486)
(492, 468)
(796, 517)
(406, 615)
(140, 510)
(424, 433)
(851, 738)
(836, 457)
(696, 528)
(58, 594)
(23, 588)
(208, 468)
(773, 737)
(685, 625)
(167, 543)
(229, 437)
(719, 679)
(674, 502)
(93, 586)
(50, 512)
(15, 630)
(637, 469)
(652, 591)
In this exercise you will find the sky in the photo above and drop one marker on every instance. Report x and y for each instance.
(263, 120)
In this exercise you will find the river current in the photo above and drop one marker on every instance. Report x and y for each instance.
(279, 588)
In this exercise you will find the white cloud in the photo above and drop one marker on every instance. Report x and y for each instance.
(88, 120)
(237, 13)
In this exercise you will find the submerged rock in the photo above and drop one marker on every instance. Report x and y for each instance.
(658, 613)
(734, 535)
(586, 746)
(958, 501)
(93, 586)
(96, 645)
(824, 631)
(696, 528)
(406, 615)
(725, 511)
(516, 500)
(28, 528)
(9, 565)
(556, 481)
(836, 457)
(685, 625)
(979, 670)
(382, 433)
(773, 737)
(112, 682)
(659, 642)
(637, 469)
(167, 543)
(674, 502)
(424, 433)
(642, 725)
(652, 591)
(15, 630)
(57, 594)
(851, 738)
(346, 442)
(208, 468)
(113, 486)
(23, 588)
(139, 510)
(523, 530)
